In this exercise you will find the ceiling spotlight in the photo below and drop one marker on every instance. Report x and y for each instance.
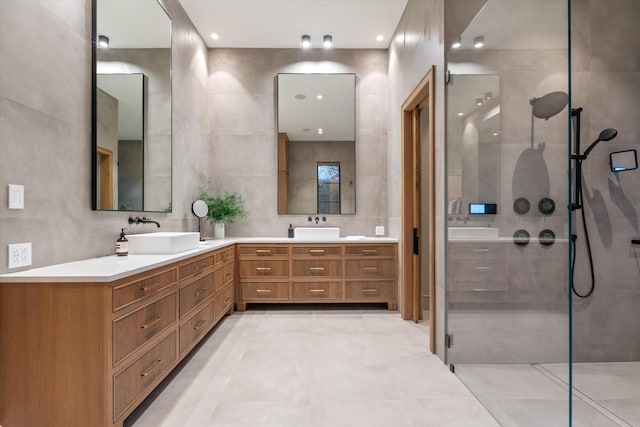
(457, 43)
(478, 42)
(103, 41)
(478, 101)
(379, 37)
(460, 114)
(319, 96)
(488, 95)
(306, 41)
(215, 36)
(496, 133)
(327, 41)
(320, 131)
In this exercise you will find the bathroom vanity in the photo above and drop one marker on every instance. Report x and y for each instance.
(84, 343)
(317, 272)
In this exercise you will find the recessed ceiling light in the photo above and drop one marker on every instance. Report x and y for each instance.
(319, 96)
(379, 37)
(320, 131)
(457, 43)
(496, 133)
(478, 101)
(478, 42)
(215, 36)
(488, 95)
(306, 41)
(460, 114)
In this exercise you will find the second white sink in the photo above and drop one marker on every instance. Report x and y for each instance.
(162, 243)
(317, 233)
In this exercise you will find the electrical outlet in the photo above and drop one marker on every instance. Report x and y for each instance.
(19, 255)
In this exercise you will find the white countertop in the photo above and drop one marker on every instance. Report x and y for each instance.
(112, 267)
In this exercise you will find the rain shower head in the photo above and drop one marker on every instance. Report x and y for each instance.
(605, 135)
(549, 105)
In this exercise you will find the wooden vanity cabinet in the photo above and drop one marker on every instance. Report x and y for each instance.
(309, 273)
(87, 354)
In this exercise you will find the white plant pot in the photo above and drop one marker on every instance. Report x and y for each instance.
(218, 231)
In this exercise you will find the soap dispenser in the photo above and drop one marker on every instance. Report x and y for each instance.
(290, 231)
(122, 245)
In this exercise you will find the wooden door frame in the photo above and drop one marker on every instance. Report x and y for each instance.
(422, 97)
(105, 180)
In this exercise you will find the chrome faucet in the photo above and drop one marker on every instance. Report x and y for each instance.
(143, 220)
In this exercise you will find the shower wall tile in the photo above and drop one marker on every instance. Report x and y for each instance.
(615, 23)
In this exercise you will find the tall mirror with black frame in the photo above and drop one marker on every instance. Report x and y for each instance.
(316, 144)
(131, 156)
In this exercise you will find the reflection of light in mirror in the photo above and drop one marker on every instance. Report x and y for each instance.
(457, 43)
(379, 37)
(460, 114)
(478, 101)
(320, 131)
(319, 96)
(496, 133)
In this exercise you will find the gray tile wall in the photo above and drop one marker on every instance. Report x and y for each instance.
(45, 130)
(416, 46)
(242, 132)
(606, 72)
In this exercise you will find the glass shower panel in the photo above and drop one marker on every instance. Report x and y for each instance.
(507, 154)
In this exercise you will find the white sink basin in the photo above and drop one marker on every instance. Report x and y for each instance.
(316, 233)
(473, 233)
(162, 243)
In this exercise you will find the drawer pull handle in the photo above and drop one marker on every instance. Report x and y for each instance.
(316, 269)
(481, 268)
(369, 251)
(151, 368)
(227, 274)
(150, 324)
(226, 300)
(317, 251)
(199, 292)
(200, 323)
(370, 269)
(366, 291)
(263, 251)
(199, 266)
(144, 289)
(317, 290)
(263, 291)
(481, 250)
(263, 269)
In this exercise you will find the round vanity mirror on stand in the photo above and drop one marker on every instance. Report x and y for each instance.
(200, 209)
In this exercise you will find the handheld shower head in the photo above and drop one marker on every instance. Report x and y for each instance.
(549, 105)
(605, 135)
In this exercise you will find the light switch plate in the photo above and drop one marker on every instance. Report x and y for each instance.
(19, 255)
(16, 196)
(379, 230)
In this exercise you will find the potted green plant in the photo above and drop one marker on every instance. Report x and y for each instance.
(224, 210)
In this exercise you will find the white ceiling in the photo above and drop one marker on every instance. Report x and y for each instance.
(354, 24)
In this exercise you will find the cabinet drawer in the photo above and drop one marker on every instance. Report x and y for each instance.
(138, 327)
(317, 291)
(276, 291)
(193, 294)
(378, 290)
(197, 326)
(264, 268)
(195, 267)
(131, 382)
(371, 268)
(223, 276)
(223, 302)
(129, 293)
(224, 256)
(316, 268)
(370, 250)
(318, 251)
(262, 250)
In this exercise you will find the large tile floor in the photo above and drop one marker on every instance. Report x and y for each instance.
(313, 366)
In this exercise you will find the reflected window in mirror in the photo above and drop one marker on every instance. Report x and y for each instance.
(328, 188)
(131, 159)
(316, 126)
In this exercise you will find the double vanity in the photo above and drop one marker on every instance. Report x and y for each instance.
(84, 343)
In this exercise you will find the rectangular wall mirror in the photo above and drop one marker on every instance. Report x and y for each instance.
(316, 144)
(131, 155)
